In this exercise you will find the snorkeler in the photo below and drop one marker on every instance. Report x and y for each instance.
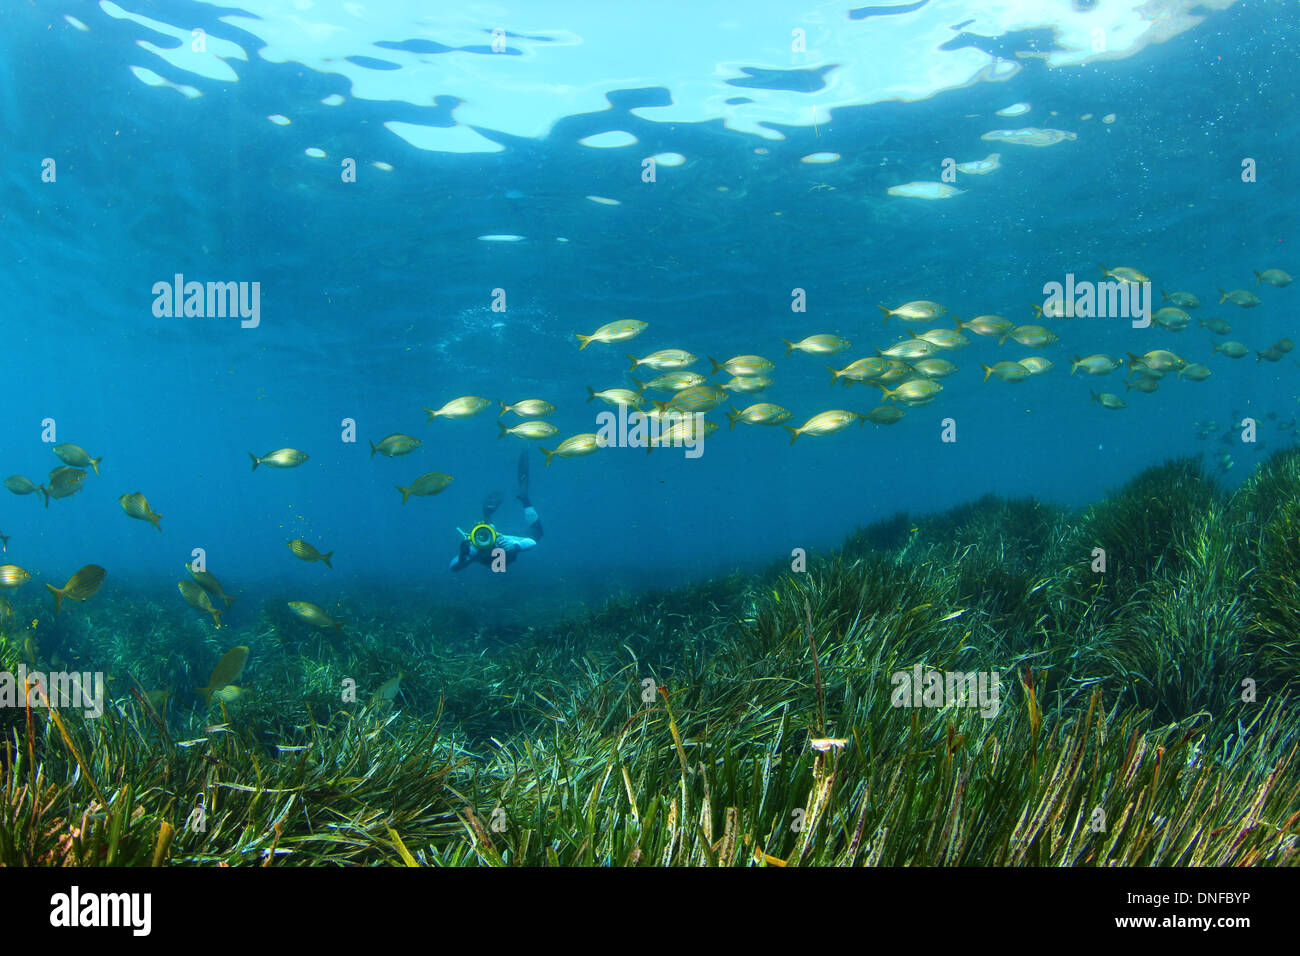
(481, 542)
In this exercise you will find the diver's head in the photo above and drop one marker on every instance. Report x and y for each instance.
(483, 536)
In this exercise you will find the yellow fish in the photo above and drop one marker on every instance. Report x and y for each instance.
(136, 505)
(574, 447)
(198, 599)
(12, 576)
(426, 485)
(664, 358)
(313, 615)
(528, 408)
(822, 344)
(80, 586)
(76, 456)
(763, 413)
(226, 672)
(395, 445)
(301, 549)
(531, 429)
(464, 407)
(920, 310)
(620, 330)
(825, 423)
(281, 458)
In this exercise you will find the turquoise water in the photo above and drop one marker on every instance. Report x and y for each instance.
(377, 294)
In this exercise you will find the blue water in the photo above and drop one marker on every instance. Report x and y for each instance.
(376, 302)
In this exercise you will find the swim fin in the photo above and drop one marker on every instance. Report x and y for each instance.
(522, 493)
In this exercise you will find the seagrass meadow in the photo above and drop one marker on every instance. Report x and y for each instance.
(1148, 713)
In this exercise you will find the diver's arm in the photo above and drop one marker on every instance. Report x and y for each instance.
(462, 558)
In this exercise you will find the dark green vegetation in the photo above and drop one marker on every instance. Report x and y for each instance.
(677, 727)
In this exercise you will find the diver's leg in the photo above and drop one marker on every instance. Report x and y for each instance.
(522, 493)
(534, 522)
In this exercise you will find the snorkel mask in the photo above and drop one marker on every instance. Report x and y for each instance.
(483, 536)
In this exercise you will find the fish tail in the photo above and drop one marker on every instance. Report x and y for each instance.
(1095, 396)
(94, 462)
(326, 558)
(548, 453)
(635, 362)
(794, 433)
(154, 519)
(1104, 271)
(662, 406)
(1259, 357)
(789, 346)
(505, 431)
(58, 596)
(591, 393)
(959, 323)
(1163, 295)
(1134, 360)
(884, 309)
(987, 372)
(887, 395)
(1005, 337)
(1038, 310)
(373, 449)
(640, 386)
(406, 493)
(256, 461)
(835, 374)
(1074, 363)
(504, 407)
(216, 617)
(432, 415)
(1223, 297)
(716, 365)
(733, 415)
(45, 491)
(583, 339)
(1216, 348)
(1258, 278)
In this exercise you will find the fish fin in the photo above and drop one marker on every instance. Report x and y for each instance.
(94, 462)
(1258, 278)
(835, 374)
(1104, 271)
(432, 415)
(216, 616)
(504, 407)
(789, 346)
(373, 449)
(1163, 295)
(1133, 359)
(634, 360)
(733, 415)
(888, 313)
(1074, 363)
(45, 491)
(1095, 396)
(591, 393)
(1038, 310)
(716, 365)
(794, 433)
(583, 339)
(1223, 297)
(1005, 337)
(548, 453)
(154, 519)
(256, 461)
(58, 596)
(958, 322)
(505, 431)
(987, 371)
(406, 493)
(662, 406)
(640, 386)
(326, 558)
